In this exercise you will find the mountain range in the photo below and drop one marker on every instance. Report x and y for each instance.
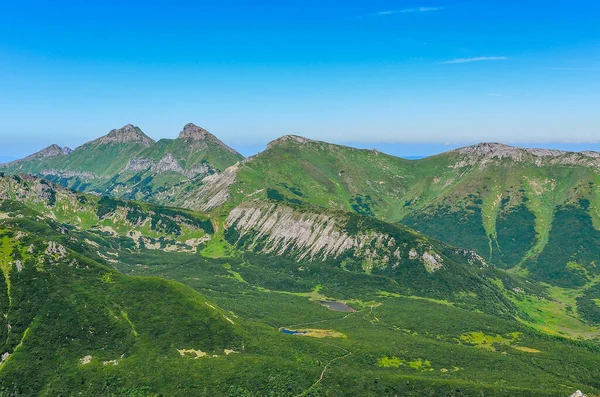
(128, 163)
(506, 203)
(466, 273)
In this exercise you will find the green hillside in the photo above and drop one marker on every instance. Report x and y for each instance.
(92, 163)
(500, 274)
(93, 297)
(73, 323)
(378, 256)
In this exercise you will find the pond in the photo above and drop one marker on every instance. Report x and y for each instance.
(337, 306)
(292, 332)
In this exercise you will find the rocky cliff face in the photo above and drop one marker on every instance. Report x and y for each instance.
(167, 164)
(86, 175)
(280, 230)
(192, 132)
(211, 193)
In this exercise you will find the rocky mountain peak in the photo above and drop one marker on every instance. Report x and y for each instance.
(192, 132)
(127, 133)
(198, 135)
(288, 138)
(54, 150)
(51, 151)
(488, 152)
(500, 150)
(486, 148)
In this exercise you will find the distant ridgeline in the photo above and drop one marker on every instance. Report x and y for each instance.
(127, 163)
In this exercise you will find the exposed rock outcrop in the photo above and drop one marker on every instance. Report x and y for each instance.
(192, 132)
(56, 250)
(51, 151)
(578, 393)
(278, 229)
(139, 165)
(486, 153)
(166, 164)
(213, 192)
(288, 138)
(127, 133)
(68, 174)
(198, 137)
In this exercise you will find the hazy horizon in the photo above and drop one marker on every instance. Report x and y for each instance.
(413, 73)
(407, 150)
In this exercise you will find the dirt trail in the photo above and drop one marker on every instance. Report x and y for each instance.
(305, 392)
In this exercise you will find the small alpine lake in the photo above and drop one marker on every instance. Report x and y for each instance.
(337, 306)
(292, 332)
(313, 332)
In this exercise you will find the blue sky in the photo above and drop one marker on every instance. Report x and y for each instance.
(408, 77)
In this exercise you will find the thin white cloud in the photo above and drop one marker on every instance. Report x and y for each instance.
(575, 69)
(408, 10)
(475, 59)
(495, 95)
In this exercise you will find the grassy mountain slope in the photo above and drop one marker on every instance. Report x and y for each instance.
(515, 207)
(92, 163)
(409, 344)
(64, 313)
(73, 324)
(387, 257)
(151, 226)
(407, 337)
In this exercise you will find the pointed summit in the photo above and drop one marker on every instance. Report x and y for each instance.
(51, 151)
(192, 132)
(127, 133)
(198, 135)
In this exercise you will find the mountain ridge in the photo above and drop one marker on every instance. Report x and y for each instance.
(499, 200)
(192, 132)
